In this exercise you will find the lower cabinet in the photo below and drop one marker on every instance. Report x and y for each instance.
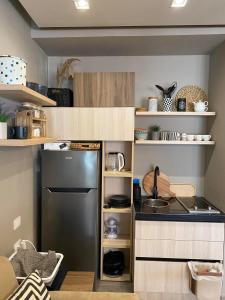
(161, 277)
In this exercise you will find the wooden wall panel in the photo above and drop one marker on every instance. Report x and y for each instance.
(91, 124)
(104, 89)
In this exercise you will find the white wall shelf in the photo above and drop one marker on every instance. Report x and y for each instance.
(175, 113)
(151, 142)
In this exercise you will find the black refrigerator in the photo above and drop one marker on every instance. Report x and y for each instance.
(70, 206)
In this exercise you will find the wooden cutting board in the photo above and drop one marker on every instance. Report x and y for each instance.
(163, 184)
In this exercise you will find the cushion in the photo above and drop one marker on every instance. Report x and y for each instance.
(32, 288)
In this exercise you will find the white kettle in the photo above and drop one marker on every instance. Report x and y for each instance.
(200, 106)
(115, 161)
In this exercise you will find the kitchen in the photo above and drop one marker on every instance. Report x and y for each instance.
(184, 164)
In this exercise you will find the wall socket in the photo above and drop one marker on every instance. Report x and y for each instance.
(17, 245)
(16, 223)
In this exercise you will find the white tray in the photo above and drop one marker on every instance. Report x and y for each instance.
(47, 280)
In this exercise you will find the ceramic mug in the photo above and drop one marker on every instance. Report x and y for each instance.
(206, 137)
(198, 137)
(190, 137)
(183, 136)
(200, 106)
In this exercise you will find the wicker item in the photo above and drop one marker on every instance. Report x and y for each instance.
(191, 93)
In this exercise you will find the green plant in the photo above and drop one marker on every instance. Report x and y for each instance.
(155, 128)
(3, 117)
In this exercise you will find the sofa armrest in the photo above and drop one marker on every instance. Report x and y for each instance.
(8, 282)
(92, 296)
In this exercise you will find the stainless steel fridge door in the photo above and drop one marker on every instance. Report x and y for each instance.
(72, 169)
(70, 226)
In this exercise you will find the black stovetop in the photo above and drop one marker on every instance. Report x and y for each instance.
(175, 211)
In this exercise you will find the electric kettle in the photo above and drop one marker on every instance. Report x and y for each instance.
(115, 161)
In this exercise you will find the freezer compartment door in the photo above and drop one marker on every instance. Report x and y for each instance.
(70, 169)
(70, 226)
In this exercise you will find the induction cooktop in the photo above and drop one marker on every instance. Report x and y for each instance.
(198, 205)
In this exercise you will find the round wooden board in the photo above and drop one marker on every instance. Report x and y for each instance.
(191, 93)
(163, 184)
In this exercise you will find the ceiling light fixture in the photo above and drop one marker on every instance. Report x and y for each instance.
(179, 3)
(82, 4)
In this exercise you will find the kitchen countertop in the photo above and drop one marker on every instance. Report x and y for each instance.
(174, 212)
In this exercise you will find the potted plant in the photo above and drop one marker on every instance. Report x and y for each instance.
(3, 124)
(155, 132)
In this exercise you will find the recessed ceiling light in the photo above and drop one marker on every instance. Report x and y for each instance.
(82, 4)
(179, 3)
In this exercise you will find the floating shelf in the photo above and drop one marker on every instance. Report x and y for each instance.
(118, 174)
(120, 242)
(117, 210)
(21, 93)
(175, 113)
(25, 142)
(150, 142)
(125, 277)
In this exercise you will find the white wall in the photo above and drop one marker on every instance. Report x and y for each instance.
(182, 164)
(18, 180)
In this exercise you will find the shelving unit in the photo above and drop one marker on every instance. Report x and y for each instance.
(176, 113)
(152, 142)
(21, 93)
(25, 142)
(118, 183)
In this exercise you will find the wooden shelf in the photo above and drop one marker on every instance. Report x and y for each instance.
(151, 142)
(176, 113)
(117, 210)
(125, 277)
(21, 93)
(25, 142)
(123, 241)
(118, 174)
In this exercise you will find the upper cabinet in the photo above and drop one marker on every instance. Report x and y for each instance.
(104, 89)
(91, 123)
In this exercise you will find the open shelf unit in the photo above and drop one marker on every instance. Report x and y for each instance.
(117, 183)
(176, 113)
(21, 93)
(160, 142)
(25, 142)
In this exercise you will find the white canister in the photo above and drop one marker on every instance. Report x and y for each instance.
(13, 70)
(3, 130)
(152, 104)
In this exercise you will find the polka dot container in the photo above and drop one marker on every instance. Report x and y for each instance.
(13, 70)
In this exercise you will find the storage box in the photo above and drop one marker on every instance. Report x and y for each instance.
(47, 280)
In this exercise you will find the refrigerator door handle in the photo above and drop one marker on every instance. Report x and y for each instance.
(69, 190)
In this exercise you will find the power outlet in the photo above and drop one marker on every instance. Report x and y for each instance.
(17, 245)
(16, 223)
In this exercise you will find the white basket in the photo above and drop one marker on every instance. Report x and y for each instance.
(47, 280)
(13, 70)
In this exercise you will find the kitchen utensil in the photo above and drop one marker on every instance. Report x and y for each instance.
(181, 104)
(200, 106)
(141, 133)
(198, 137)
(206, 137)
(191, 93)
(21, 132)
(119, 201)
(115, 161)
(113, 263)
(183, 136)
(163, 184)
(12, 70)
(111, 228)
(152, 104)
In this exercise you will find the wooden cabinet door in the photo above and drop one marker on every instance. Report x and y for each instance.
(104, 89)
(161, 277)
(91, 124)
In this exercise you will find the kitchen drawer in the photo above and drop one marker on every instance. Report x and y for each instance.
(161, 277)
(182, 231)
(179, 249)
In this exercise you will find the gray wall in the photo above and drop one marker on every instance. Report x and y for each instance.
(215, 164)
(18, 178)
(182, 164)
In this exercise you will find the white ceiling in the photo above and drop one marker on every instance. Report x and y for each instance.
(116, 13)
(128, 42)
